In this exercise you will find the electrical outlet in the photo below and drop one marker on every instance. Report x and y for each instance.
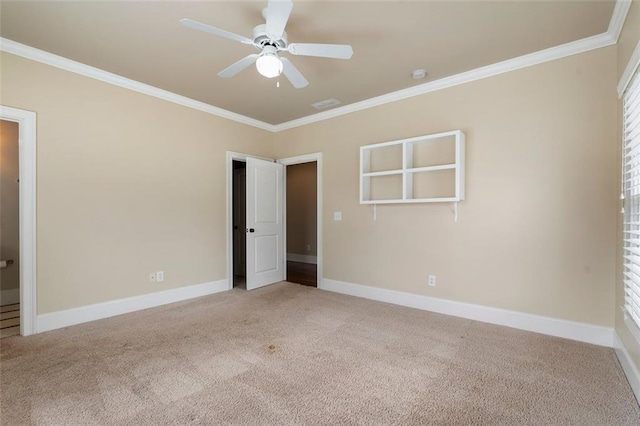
(160, 276)
(432, 281)
(308, 247)
(337, 215)
(152, 277)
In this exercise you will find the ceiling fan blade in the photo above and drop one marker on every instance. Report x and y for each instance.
(234, 69)
(336, 51)
(190, 23)
(277, 15)
(291, 72)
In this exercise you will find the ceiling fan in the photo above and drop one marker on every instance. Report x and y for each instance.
(271, 39)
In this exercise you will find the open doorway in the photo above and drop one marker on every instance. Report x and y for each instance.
(302, 224)
(9, 230)
(239, 188)
(26, 267)
(256, 221)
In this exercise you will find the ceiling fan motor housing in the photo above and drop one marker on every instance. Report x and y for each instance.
(261, 39)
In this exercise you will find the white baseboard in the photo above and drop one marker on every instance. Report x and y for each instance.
(9, 297)
(588, 333)
(304, 258)
(629, 368)
(68, 317)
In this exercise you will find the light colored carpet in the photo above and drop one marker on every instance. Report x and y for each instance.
(290, 354)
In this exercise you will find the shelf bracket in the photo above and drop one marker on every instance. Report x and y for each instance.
(375, 212)
(455, 211)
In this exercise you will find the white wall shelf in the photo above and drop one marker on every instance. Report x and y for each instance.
(424, 169)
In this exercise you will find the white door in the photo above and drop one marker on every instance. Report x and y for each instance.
(265, 228)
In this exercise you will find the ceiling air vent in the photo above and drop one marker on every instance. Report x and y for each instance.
(326, 103)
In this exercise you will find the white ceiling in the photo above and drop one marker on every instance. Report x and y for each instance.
(143, 41)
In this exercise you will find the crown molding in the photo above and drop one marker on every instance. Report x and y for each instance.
(47, 58)
(546, 55)
(573, 48)
(616, 23)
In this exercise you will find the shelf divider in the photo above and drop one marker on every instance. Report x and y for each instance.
(431, 168)
(382, 173)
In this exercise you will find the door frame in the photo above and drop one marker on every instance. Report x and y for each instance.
(300, 159)
(27, 205)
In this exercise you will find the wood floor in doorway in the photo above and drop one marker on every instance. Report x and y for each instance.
(297, 272)
(302, 273)
(9, 320)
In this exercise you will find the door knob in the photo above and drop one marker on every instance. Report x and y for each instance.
(251, 230)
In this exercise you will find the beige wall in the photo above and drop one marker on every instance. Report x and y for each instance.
(537, 231)
(9, 217)
(302, 210)
(629, 39)
(127, 184)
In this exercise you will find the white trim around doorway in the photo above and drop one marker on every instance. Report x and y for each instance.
(27, 189)
(310, 158)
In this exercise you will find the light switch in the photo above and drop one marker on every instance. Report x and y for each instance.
(337, 215)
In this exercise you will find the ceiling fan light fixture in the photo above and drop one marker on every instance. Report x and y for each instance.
(269, 65)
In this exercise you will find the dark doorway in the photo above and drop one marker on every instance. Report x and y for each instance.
(239, 224)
